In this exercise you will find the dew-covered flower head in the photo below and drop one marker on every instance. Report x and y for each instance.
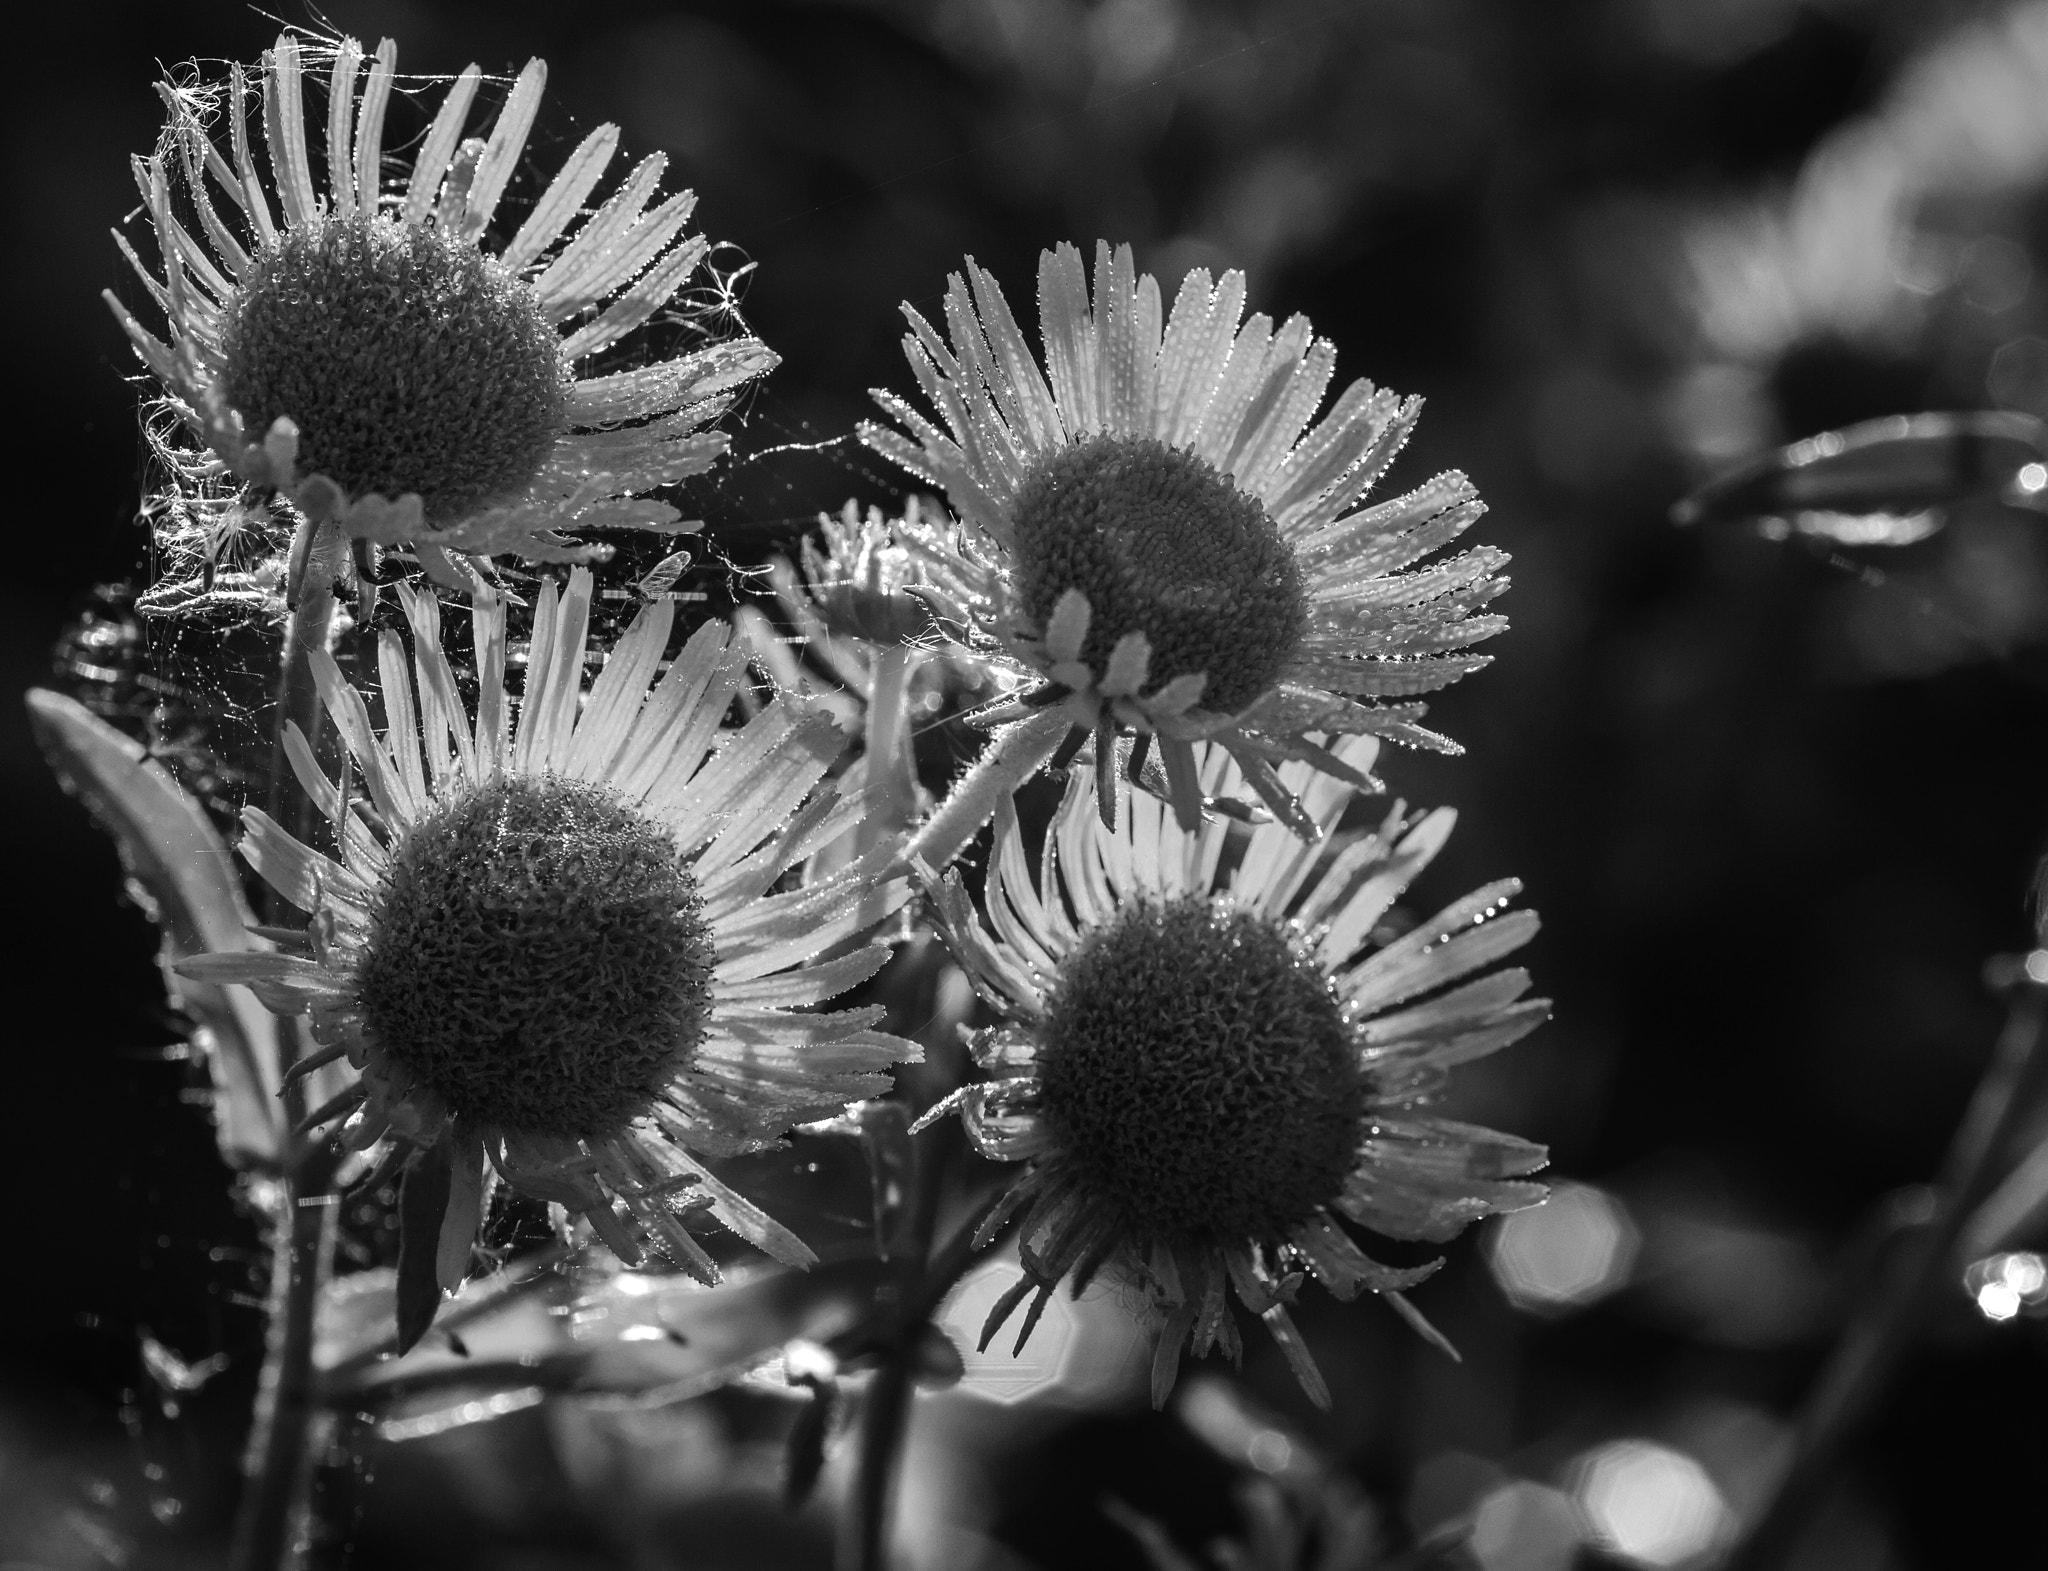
(1170, 537)
(393, 357)
(578, 949)
(1216, 1053)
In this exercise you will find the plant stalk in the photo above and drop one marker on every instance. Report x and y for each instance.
(1871, 1348)
(297, 700)
(270, 1527)
(885, 1413)
(891, 771)
(1013, 755)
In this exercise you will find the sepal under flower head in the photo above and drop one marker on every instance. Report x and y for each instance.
(573, 941)
(1212, 1057)
(364, 354)
(1169, 537)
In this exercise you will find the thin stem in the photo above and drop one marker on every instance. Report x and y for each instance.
(896, 1332)
(270, 1526)
(1870, 1349)
(1014, 754)
(885, 1415)
(297, 699)
(891, 771)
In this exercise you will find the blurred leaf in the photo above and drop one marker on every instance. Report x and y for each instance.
(817, 1186)
(2012, 1214)
(892, 1169)
(422, 1202)
(181, 873)
(807, 1442)
(172, 1373)
(1884, 482)
(631, 1332)
(936, 1363)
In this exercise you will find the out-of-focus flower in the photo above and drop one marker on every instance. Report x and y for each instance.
(558, 950)
(363, 354)
(1167, 537)
(881, 579)
(1207, 1060)
(1855, 242)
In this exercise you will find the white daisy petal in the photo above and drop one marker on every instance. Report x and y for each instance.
(369, 151)
(606, 724)
(558, 206)
(401, 725)
(501, 153)
(681, 720)
(284, 125)
(1396, 974)
(341, 99)
(559, 283)
(439, 148)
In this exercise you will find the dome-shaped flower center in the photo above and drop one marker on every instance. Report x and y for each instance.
(408, 361)
(1198, 1072)
(538, 956)
(1163, 545)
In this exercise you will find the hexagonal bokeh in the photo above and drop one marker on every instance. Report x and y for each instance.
(996, 1374)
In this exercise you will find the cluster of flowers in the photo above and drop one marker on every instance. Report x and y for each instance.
(576, 936)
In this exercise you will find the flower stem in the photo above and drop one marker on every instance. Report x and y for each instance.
(885, 1413)
(270, 1525)
(1873, 1344)
(297, 700)
(1012, 757)
(898, 1332)
(891, 771)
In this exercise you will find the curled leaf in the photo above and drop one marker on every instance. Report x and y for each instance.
(181, 873)
(422, 1203)
(1882, 483)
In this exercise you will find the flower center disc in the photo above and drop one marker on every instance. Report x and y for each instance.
(409, 362)
(1199, 1074)
(1163, 545)
(538, 956)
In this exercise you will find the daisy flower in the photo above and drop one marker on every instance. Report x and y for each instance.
(1213, 1056)
(378, 357)
(576, 949)
(1165, 535)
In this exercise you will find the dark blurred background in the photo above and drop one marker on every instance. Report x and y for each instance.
(1777, 806)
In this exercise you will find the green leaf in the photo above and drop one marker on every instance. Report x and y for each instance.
(1885, 482)
(806, 1454)
(634, 1332)
(422, 1202)
(892, 1174)
(181, 873)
